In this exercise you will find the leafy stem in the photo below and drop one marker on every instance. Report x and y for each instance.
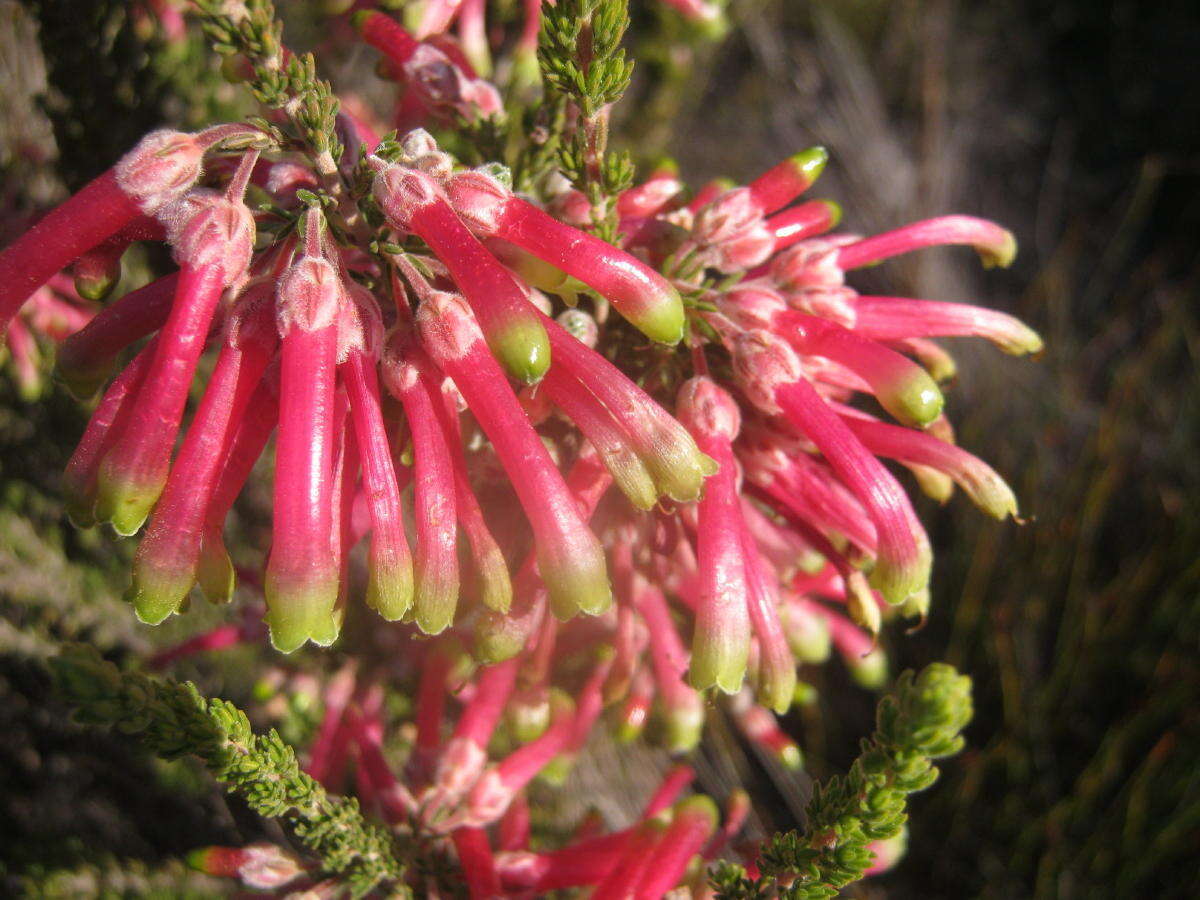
(175, 720)
(921, 721)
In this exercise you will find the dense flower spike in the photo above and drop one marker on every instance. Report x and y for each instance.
(741, 399)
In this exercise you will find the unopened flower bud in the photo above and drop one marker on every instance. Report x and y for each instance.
(400, 191)
(761, 363)
(309, 295)
(751, 307)
(709, 410)
(260, 867)
(207, 229)
(811, 264)
(160, 169)
(478, 198)
(580, 325)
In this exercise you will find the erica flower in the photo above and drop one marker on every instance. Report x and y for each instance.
(456, 368)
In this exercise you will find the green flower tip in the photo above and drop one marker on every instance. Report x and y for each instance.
(791, 757)
(124, 504)
(835, 212)
(302, 613)
(156, 596)
(435, 600)
(916, 400)
(390, 591)
(1001, 253)
(663, 321)
(523, 349)
(577, 585)
(810, 163)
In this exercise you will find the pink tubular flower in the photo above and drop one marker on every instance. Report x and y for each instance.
(213, 235)
(260, 867)
(743, 436)
(570, 559)
(413, 201)
(165, 566)
(770, 372)
(390, 586)
(110, 419)
(302, 575)
(692, 823)
(87, 356)
(639, 293)
(409, 377)
(490, 796)
(995, 245)
(438, 77)
(721, 643)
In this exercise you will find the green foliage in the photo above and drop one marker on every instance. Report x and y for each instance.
(175, 720)
(579, 51)
(582, 63)
(280, 80)
(920, 722)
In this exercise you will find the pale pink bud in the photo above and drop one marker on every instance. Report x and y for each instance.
(160, 169)
(706, 409)
(418, 143)
(266, 866)
(834, 303)
(309, 295)
(360, 323)
(401, 191)
(751, 307)
(811, 264)
(580, 325)
(761, 363)
(448, 328)
(285, 178)
(478, 198)
(207, 229)
(726, 217)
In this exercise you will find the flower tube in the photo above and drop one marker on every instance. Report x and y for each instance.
(390, 579)
(721, 642)
(86, 357)
(410, 378)
(156, 172)
(302, 573)
(635, 290)
(570, 558)
(785, 181)
(490, 796)
(413, 202)
(164, 568)
(215, 571)
(213, 237)
(803, 221)
(692, 823)
(979, 480)
(104, 427)
(770, 372)
(996, 246)
(903, 388)
(894, 318)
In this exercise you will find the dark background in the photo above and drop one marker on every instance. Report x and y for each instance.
(1077, 125)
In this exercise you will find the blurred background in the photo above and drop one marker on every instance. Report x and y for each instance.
(1075, 123)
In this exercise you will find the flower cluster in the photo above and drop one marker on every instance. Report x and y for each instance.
(55, 311)
(456, 374)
